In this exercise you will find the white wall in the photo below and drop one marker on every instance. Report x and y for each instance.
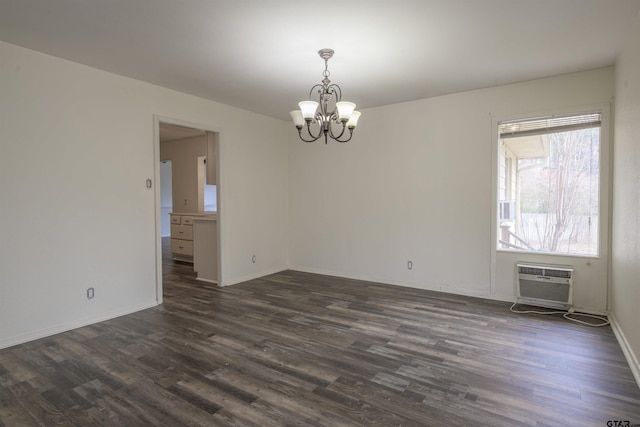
(184, 154)
(80, 142)
(417, 183)
(625, 254)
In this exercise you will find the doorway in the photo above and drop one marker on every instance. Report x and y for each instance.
(187, 165)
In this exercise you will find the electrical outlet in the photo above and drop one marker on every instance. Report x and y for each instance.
(90, 293)
(409, 265)
(253, 259)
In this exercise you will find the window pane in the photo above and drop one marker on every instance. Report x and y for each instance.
(549, 201)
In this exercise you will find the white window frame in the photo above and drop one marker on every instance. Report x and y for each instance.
(604, 184)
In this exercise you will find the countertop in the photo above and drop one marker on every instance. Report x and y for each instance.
(198, 215)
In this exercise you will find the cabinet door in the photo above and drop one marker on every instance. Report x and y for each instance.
(184, 232)
(182, 247)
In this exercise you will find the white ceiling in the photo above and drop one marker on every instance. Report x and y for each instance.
(261, 55)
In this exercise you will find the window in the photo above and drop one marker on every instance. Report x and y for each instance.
(548, 184)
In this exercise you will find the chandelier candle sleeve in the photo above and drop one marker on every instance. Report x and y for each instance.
(330, 117)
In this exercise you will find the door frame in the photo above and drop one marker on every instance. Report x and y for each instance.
(157, 119)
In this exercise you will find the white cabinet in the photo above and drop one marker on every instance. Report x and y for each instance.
(205, 248)
(182, 234)
(182, 237)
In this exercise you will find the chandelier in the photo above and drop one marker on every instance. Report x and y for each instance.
(330, 116)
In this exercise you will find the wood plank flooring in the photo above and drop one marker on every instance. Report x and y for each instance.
(302, 349)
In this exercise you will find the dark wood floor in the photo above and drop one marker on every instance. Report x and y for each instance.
(301, 349)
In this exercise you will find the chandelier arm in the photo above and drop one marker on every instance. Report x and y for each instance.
(344, 127)
(311, 135)
(320, 91)
(334, 88)
(308, 140)
(337, 138)
(345, 140)
(327, 132)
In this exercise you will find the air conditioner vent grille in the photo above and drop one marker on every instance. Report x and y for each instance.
(558, 273)
(545, 285)
(546, 272)
(531, 270)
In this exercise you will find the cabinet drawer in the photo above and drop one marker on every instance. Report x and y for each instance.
(182, 247)
(187, 220)
(184, 232)
(175, 219)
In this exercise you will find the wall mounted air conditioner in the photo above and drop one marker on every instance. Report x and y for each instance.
(545, 285)
(507, 210)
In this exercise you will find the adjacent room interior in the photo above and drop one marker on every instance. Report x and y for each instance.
(175, 251)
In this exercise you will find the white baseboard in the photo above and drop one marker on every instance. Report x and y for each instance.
(207, 280)
(64, 327)
(340, 274)
(263, 273)
(631, 357)
(388, 281)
